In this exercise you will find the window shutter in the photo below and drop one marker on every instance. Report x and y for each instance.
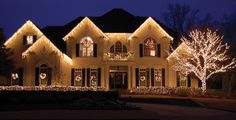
(88, 77)
(99, 76)
(178, 79)
(158, 52)
(94, 50)
(34, 38)
(137, 76)
(77, 48)
(24, 40)
(21, 76)
(49, 76)
(36, 76)
(83, 77)
(72, 76)
(148, 78)
(141, 50)
(163, 77)
(152, 77)
(199, 83)
(189, 81)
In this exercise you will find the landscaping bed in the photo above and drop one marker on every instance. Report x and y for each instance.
(21, 100)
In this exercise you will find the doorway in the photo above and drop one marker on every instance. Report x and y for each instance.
(118, 78)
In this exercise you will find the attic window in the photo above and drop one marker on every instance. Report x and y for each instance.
(29, 39)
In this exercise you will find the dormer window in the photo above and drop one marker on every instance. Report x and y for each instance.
(150, 48)
(29, 39)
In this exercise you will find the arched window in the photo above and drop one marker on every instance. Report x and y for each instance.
(86, 48)
(149, 47)
(118, 48)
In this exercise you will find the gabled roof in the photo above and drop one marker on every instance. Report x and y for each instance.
(45, 40)
(114, 21)
(162, 31)
(84, 21)
(182, 46)
(27, 23)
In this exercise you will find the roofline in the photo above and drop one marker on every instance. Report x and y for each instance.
(82, 21)
(151, 19)
(28, 22)
(66, 58)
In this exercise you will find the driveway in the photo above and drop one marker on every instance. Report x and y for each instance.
(149, 112)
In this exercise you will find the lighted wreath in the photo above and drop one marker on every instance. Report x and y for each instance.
(158, 77)
(93, 78)
(43, 76)
(14, 76)
(78, 78)
(142, 78)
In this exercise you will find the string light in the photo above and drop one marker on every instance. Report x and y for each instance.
(152, 22)
(204, 55)
(44, 40)
(22, 28)
(86, 20)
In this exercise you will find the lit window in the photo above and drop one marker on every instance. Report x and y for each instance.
(157, 77)
(86, 46)
(181, 80)
(149, 47)
(29, 39)
(142, 77)
(152, 52)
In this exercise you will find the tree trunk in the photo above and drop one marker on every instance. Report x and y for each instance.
(203, 87)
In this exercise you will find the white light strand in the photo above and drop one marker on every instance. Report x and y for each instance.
(205, 56)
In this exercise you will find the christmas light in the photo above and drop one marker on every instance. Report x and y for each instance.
(50, 88)
(150, 21)
(204, 55)
(44, 40)
(85, 21)
(21, 29)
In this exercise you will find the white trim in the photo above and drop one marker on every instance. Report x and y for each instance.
(86, 19)
(27, 23)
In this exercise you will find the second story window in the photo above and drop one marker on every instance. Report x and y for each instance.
(86, 48)
(118, 48)
(149, 47)
(29, 39)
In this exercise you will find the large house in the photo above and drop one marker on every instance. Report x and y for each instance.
(115, 51)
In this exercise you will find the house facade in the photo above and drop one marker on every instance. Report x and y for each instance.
(113, 51)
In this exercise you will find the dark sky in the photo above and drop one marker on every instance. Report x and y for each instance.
(13, 13)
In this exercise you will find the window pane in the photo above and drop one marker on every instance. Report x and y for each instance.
(86, 46)
(149, 47)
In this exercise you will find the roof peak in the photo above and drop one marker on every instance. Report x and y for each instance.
(117, 12)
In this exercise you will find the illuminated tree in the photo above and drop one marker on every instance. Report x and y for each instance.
(205, 55)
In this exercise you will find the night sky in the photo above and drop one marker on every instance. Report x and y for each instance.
(13, 13)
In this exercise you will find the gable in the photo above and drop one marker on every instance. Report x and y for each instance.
(182, 48)
(150, 22)
(22, 30)
(85, 21)
(44, 41)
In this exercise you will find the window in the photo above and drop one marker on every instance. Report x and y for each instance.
(43, 75)
(118, 48)
(181, 80)
(143, 77)
(93, 78)
(29, 39)
(86, 48)
(78, 77)
(149, 47)
(158, 77)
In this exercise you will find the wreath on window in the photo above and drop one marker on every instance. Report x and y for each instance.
(78, 78)
(142, 78)
(43, 76)
(14, 76)
(93, 78)
(158, 76)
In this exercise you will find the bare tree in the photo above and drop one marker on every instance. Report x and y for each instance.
(205, 55)
(180, 18)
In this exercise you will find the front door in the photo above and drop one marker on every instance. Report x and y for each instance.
(118, 78)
